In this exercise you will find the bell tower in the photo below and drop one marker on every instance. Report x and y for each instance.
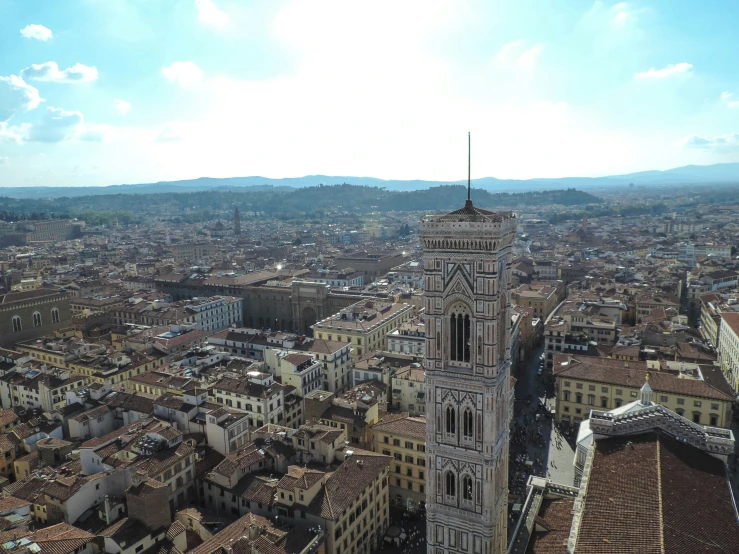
(467, 264)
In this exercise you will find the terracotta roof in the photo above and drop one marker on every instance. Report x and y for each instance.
(10, 503)
(126, 531)
(300, 478)
(732, 320)
(323, 346)
(8, 416)
(345, 484)
(652, 494)
(225, 538)
(413, 427)
(175, 529)
(633, 375)
(555, 518)
(61, 538)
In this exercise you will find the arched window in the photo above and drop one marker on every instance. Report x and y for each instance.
(17, 327)
(451, 420)
(467, 488)
(36, 319)
(451, 484)
(459, 336)
(54, 315)
(578, 397)
(467, 424)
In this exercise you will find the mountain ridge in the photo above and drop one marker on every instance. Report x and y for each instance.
(684, 175)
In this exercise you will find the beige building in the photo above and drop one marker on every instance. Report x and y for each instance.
(699, 393)
(404, 439)
(710, 317)
(364, 325)
(409, 390)
(192, 252)
(354, 412)
(372, 265)
(728, 348)
(541, 297)
(335, 358)
(645, 305)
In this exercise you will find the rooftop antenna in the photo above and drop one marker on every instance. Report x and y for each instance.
(469, 165)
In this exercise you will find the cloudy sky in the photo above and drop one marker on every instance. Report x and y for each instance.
(98, 92)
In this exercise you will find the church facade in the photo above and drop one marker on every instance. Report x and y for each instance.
(467, 265)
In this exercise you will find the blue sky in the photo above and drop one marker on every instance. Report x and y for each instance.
(98, 92)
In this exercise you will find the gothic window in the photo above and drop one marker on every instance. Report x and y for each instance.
(17, 327)
(459, 343)
(451, 420)
(451, 484)
(467, 488)
(467, 423)
(36, 319)
(54, 315)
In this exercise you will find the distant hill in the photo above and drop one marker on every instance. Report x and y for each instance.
(687, 175)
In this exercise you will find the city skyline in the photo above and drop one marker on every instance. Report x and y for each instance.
(101, 93)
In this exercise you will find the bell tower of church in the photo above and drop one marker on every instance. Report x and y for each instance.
(467, 264)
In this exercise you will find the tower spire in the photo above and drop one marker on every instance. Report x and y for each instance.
(469, 165)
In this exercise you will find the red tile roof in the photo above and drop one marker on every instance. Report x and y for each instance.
(652, 494)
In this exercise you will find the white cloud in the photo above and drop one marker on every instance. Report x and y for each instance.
(56, 126)
(734, 104)
(621, 14)
(121, 106)
(13, 133)
(16, 96)
(94, 133)
(725, 95)
(209, 13)
(516, 54)
(184, 74)
(173, 131)
(39, 32)
(50, 71)
(719, 142)
(621, 17)
(672, 69)
(3, 160)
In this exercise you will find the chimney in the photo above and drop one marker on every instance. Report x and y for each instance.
(107, 509)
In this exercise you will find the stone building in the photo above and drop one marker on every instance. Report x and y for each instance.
(30, 314)
(467, 267)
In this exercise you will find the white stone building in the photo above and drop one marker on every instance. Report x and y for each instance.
(467, 302)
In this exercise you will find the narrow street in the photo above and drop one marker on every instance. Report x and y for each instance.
(537, 446)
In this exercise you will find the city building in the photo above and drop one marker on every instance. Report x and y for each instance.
(467, 272)
(728, 348)
(409, 338)
(647, 480)
(31, 314)
(699, 393)
(372, 265)
(403, 438)
(409, 389)
(364, 325)
(541, 297)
